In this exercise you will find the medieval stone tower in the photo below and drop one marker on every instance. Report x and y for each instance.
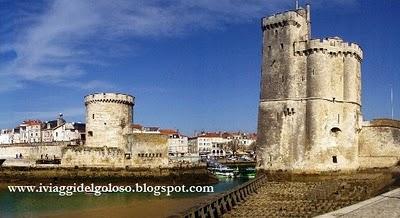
(108, 117)
(310, 100)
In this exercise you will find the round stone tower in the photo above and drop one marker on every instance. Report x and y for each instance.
(108, 115)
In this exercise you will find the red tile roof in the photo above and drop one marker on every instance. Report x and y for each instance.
(32, 122)
(168, 131)
(136, 126)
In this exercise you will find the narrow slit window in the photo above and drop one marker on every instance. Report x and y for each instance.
(334, 159)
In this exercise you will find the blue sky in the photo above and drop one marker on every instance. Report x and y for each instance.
(191, 64)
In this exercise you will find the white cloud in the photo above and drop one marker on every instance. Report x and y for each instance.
(66, 35)
(90, 85)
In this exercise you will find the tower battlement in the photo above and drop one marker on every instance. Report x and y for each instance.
(110, 97)
(108, 116)
(294, 18)
(335, 46)
(310, 98)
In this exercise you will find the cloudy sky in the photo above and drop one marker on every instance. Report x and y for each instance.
(191, 64)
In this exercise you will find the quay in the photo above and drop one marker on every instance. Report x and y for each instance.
(385, 205)
(288, 195)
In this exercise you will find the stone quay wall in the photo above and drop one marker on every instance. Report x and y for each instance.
(67, 175)
(379, 144)
(30, 153)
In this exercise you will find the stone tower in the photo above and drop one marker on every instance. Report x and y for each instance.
(108, 117)
(310, 100)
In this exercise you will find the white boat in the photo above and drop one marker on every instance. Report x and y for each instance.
(223, 171)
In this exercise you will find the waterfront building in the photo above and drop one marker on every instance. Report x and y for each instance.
(177, 143)
(73, 132)
(204, 141)
(6, 136)
(30, 131)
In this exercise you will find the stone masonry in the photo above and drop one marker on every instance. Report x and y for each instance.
(310, 101)
(108, 115)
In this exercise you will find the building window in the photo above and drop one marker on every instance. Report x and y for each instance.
(92, 116)
(281, 46)
(90, 133)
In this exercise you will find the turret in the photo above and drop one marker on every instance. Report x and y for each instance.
(108, 116)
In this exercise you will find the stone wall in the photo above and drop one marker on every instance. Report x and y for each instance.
(29, 154)
(310, 98)
(379, 144)
(92, 157)
(141, 150)
(108, 116)
(147, 150)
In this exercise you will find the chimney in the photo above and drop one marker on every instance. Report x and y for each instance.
(60, 120)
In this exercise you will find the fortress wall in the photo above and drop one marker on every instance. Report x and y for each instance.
(141, 150)
(92, 157)
(29, 153)
(147, 150)
(328, 137)
(280, 124)
(281, 131)
(352, 81)
(329, 46)
(379, 146)
(107, 117)
(286, 18)
(279, 79)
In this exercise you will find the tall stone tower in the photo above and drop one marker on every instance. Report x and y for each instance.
(108, 117)
(310, 105)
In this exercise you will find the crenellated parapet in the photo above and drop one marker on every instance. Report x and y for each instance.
(294, 18)
(330, 46)
(117, 98)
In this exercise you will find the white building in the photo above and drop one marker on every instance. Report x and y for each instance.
(49, 127)
(177, 143)
(204, 142)
(6, 136)
(69, 132)
(30, 131)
